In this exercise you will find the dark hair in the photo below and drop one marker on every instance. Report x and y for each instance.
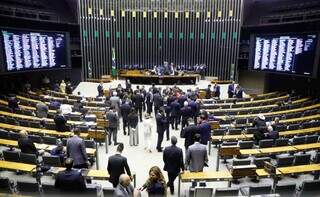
(174, 140)
(197, 137)
(76, 131)
(68, 163)
(120, 147)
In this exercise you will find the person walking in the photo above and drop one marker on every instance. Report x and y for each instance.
(147, 132)
(133, 121)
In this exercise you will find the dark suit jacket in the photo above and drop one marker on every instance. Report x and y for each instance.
(186, 112)
(188, 133)
(217, 91)
(161, 123)
(60, 123)
(26, 146)
(239, 94)
(125, 110)
(205, 132)
(173, 159)
(70, 181)
(138, 100)
(116, 166)
(175, 108)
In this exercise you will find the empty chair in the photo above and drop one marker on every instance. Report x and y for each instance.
(11, 121)
(28, 158)
(229, 191)
(241, 121)
(259, 161)
(50, 126)
(312, 139)
(3, 119)
(251, 130)
(246, 144)
(28, 189)
(219, 131)
(5, 185)
(307, 124)
(282, 142)
(90, 143)
(34, 124)
(283, 161)
(286, 190)
(14, 136)
(4, 134)
(256, 190)
(316, 158)
(310, 188)
(298, 140)
(294, 126)
(49, 140)
(241, 162)
(11, 155)
(302, 159)
(234, 131)
(203, 192)
(35, 138)
(51, 161)
(24, 123)
(280, 127)
(265, 143)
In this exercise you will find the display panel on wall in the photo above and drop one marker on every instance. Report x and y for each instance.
(144, 33)
(24, 50)
(288, 53)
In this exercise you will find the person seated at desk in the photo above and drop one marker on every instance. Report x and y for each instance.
(25, 144)
(70, 180)
(13, 103)
(272, 134)
(238, 92)
(58, 151)
(60, 122)
(260, 123)
(42, 110)
(78, 106)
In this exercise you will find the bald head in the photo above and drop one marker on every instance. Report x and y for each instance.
(124, 180)
(23, 133)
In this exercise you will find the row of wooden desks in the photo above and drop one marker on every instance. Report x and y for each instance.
(47, 147)
(227, 176)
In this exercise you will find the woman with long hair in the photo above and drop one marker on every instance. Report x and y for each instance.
(156, 184)
(133, 121)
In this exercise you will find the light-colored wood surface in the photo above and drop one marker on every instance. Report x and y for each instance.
(208, 176)
(277, 149)
(299, 169)
(47, 147)
(8, 165)
(307, 146)
(305, 118)
(98, 174)
(250, 152)
(264, 173)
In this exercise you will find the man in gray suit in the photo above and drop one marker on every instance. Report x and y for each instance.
(197, 156)
(124, 188)
(77, 151)
(115, 101)
(42, 109)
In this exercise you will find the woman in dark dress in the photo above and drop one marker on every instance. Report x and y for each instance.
(156, 184)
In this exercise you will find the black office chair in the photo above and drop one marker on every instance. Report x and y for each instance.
(286, 190)
(234, 131)
(28, 189)
(310, 188)
(256, 190)
(312, 139)
(316, 158)
(5, 186)
(35, 138)
(294, 126)
(49, 140)
(283, 161)
(246, 144)
(4, 134)
(282, 142)
(229, 191)
(259, 161)
(252, 130)
(14, 136)
(50, 191)
(203, 192)
(301, 159)
(298, 140)
(11, 155)
(266, 143)
(219, 131)
(90, 144)
(28, 158)
(51, 161)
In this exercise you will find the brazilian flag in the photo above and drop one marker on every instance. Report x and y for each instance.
(114, 71)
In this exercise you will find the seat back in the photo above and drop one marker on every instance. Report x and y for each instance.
(234, 131)
(227, 192)
(28, 158)
(219, 131)
(203, 192)
(281, 128)
(251, 130)
(282, 142)
(258, 190)
(14, 136)
(35, 138)
(298, 140)
(5, 185)
(26, 188)
(302, 159)
(259, 162)
(240, 162)
(49, 140)
(10, 155)
(310, 188)
(108, 191)
(285, 161)
(51, 161)
(90, 143)
(246, 144)
(4, 134)
(286, 190)
(265, 143)
(293, 126)
(312, 139)
(316, 158)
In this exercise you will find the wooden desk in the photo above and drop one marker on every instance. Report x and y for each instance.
(305, 118)
(99, 174)
(8, 165)
(39, 131)
(215, 138)
(280, 149)
(263, 173)
(299, 169)
(205, 176)
(311, 146)
(249, 151)
(47, 147)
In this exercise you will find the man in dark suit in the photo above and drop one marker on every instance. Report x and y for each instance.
(173, 162)
(125, 110)
(208, 92)
(231, 89)
(113, 118)
(175, 114)
(157, 101)
(216, 90)
(70, 180)
(149, 100)
(188, 133)
(204, 129)
(77, 151)
(117, 165)
(162, 122)
(25, 144)
(186, 113)
(239, 92)
(100, 89)
(138, 102)
(60, 122)
(13, 103)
